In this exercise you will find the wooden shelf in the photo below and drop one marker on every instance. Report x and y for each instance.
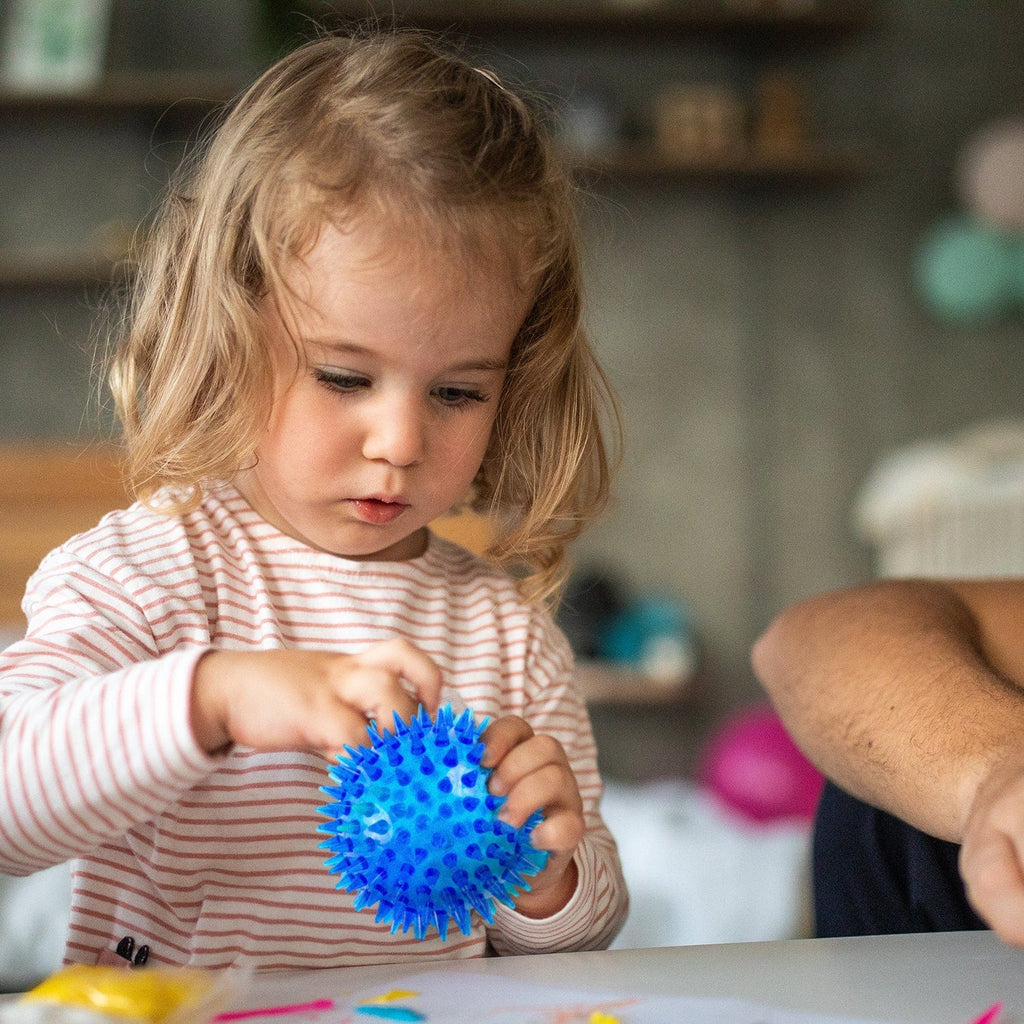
(58, 270)
(608, 684)
(49, 492)
(183, 99)
(810, 165)
(188, 93)
(643, 164)
(651, 20)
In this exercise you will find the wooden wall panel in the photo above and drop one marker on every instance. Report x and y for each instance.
(48, 493)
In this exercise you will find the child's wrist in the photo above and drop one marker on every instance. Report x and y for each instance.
(208, 727)
(546, 902)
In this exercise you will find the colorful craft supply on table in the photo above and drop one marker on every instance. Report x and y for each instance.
(382, 1012)
(989, 1016)
(107, 994)
(274, 1011)
(414, 829)
(382, 1006)
(393, 995)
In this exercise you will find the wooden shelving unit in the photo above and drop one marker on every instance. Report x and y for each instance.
(592, 17)
(607, 684)
(156, 94)
(56, 270)
(809, 166)
(178, 103)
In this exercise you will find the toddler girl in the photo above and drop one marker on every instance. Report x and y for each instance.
(360, 309)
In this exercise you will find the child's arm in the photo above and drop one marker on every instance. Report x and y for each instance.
(533, 772)
(910, 694)
(97, 727)
(307, 700)
(542, 752)
(88, 750)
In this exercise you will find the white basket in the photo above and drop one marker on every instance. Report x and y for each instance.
(949, 508)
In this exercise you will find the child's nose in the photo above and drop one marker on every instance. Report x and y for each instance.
(395, 432)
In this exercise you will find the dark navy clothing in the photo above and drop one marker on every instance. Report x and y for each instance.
(876, 875)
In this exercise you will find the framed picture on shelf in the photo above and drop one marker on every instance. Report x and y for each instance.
(54, 45)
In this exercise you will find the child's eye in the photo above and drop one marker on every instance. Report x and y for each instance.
(339, 380)
(458, 396)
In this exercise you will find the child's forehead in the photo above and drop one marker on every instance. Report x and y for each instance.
(471, 243)
(365, 267)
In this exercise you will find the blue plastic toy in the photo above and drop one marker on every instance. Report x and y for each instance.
(414, 828)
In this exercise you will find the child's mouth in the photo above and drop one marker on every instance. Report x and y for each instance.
(377, 511)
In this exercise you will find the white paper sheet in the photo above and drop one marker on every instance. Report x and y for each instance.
(451, 997)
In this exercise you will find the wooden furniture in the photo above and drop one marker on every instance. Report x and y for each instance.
(49, 492)
(168, 106)
(754, 34)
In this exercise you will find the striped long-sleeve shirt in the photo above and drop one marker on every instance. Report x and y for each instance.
(215, 861)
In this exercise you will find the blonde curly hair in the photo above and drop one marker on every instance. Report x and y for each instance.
(393, 123)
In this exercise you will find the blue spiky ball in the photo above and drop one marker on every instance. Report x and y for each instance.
(413, 828)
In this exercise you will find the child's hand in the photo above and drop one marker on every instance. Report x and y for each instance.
(534, 773)
(308, 700)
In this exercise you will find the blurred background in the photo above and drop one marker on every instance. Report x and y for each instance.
(804, 279)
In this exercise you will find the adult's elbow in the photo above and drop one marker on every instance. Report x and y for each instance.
(768, 657)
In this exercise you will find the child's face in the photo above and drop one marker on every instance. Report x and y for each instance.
(387, 379)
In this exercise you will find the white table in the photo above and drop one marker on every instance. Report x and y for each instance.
(944, 978)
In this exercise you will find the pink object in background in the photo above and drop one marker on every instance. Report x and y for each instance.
(753, 767)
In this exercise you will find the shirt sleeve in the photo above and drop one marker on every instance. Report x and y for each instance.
(597, 909)
(95, 734)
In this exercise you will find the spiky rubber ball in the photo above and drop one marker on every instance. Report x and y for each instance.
(413, 828)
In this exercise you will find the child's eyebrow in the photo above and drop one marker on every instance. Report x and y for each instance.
(347, 348)
(481, 364)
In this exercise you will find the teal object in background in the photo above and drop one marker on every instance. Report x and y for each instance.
(652, 634)
(966, 272)
(1017, 271)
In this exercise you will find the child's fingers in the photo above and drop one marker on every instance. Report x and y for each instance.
(340, 726)
(534, 774)
(376, 683)
(375, 693)
(502, 736)
(407, 662)
(559, 833)
(550, 788)
(295, 715)
(314, 700)
(524, 758)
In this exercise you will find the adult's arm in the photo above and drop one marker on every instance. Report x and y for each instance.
(910, 695)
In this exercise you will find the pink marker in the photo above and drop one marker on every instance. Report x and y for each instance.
(989, 1016)
(275, 1011)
